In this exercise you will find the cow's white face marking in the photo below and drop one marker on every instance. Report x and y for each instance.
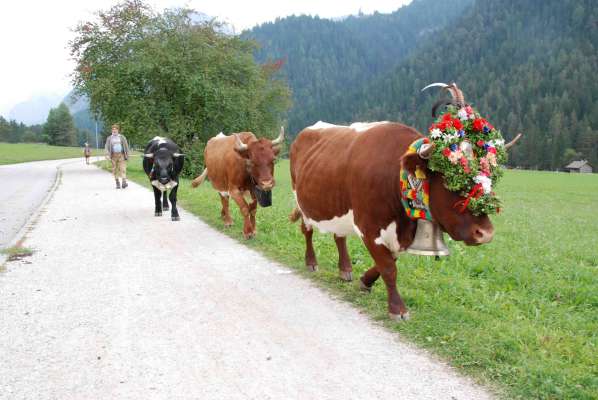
(340, 226)
(388, 238)
(364, 126)
(223, 194)
(162, 187)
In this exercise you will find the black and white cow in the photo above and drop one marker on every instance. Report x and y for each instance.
(163, 162)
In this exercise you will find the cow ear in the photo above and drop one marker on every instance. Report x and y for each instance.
(276, 150)
(411, 161)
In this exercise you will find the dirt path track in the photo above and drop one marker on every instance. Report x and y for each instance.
(118, 304)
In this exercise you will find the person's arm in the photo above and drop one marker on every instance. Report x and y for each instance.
(125, 147)
(107, 147)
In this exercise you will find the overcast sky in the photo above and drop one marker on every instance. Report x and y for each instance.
(35, 34)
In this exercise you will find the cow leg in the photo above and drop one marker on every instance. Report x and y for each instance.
(385, 264)
(252, 212)
(157, 200)
(344, 261)
(368, 278)
(174, 212)
(244, 207)
(310, 255)
(165, 202)
(225, 213)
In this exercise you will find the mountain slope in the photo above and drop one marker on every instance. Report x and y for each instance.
(323, 57)
(529, 66)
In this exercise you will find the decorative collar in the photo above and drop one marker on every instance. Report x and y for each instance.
(415, 188)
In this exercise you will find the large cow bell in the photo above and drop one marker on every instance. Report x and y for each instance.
(428, 240)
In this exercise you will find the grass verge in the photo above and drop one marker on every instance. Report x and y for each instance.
(519, 314)
(12, 153)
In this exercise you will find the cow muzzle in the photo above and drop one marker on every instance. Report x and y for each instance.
(163, 186)
(267, 185)
(480, 235)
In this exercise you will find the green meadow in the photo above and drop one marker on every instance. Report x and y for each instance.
(11, 153)
(519, 314)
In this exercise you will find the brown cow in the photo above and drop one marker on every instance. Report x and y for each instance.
(239, 164)
(346, 180)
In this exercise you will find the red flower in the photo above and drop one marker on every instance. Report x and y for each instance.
(441, 125)
(492, 150)
(478, 124)
(447, 117)
(446, 152)
(457, 124)
(480, 143)
(426, 140)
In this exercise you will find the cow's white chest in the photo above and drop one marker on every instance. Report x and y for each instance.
(343, 225)
(388, 238)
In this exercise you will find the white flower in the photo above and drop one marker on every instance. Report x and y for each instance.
(485, 181)
(435, 133)
(496, 142)
(462, 114)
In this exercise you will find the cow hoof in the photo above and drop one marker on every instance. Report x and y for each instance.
(165, 208)
(228, 224)
(364, 288)
(177, 218)
(248, 236)
(312, 268)
(399, 317)
(157, 214)
(346, 276)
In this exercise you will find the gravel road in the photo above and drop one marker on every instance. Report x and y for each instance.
(118, 304)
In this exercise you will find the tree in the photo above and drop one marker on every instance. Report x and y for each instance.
(59, 128)
(163, 74)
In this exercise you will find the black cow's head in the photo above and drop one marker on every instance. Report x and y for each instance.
(164, 168)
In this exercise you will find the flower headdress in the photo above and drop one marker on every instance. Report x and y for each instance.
(468, 151)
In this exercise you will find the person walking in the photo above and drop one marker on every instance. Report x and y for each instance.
(87, 152)
(117, 149)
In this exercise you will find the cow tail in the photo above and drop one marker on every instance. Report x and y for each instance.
(199, 180)
(295, 215)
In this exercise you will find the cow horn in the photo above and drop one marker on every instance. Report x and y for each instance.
(442, 85)
(280, 137)
(512, 142)
(425, 151)
(239, 145)
(149, 155)
(178, 155)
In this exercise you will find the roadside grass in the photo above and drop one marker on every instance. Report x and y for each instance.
(16, 252)
(12, 153)
(519, 314)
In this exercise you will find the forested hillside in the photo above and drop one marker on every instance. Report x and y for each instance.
(323, 57)
(529, 66)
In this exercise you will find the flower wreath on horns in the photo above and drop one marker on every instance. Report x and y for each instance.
(468, 151)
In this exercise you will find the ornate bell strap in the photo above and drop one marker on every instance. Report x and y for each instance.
(415, 189)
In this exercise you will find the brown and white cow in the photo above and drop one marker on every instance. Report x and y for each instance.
(238, 165)
(346, 181)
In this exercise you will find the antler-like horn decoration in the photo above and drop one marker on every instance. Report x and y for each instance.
(426, 149)
(512, 142)
(239, 145)
(455, 92)
(280, 137)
